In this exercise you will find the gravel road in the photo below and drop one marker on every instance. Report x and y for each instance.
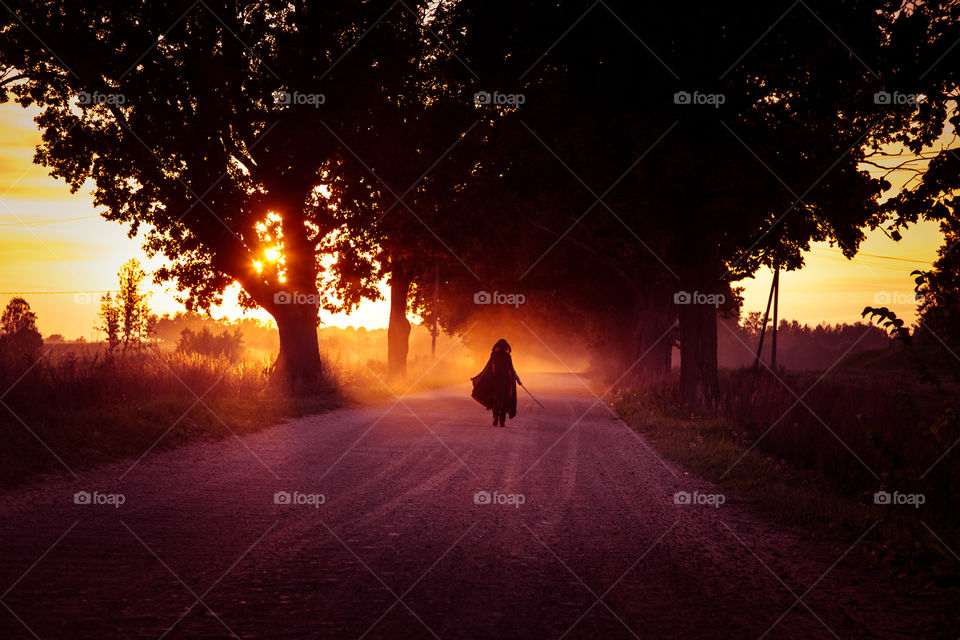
(417, 519)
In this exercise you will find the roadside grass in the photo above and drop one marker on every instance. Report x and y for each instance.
(795, 474)
(75, 410)
(712, 450)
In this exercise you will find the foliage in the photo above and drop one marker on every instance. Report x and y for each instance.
(206, 343)
(122, 406)
(20, 341)
(799, 347)
(110, 320)
(126, 319)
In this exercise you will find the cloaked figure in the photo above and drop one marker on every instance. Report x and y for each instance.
(496, 386)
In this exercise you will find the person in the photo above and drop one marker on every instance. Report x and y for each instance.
(496, 386)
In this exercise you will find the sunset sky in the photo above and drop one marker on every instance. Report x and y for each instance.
(56, 252)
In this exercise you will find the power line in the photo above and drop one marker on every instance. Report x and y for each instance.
(41, 293)
(38, 223)
(874, 255)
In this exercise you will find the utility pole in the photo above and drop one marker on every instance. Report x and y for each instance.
(436, 312)
(776, 301)
(763, 326)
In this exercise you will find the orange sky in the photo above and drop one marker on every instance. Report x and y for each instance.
(52, 241)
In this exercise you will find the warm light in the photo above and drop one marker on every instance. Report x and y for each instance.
(272, 254)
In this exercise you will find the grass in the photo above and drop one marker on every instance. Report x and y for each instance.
(88, 407)
(799, 473)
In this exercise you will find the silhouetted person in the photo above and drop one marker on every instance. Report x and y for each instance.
(496, 386)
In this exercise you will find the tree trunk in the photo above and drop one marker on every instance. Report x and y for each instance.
(298, 365)
(295, 303)
(398, 331)
(654, 343)
(697, 306)
(699, 381)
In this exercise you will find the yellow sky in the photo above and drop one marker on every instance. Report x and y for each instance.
(52, 241)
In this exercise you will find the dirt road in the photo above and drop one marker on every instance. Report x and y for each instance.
(417, 519)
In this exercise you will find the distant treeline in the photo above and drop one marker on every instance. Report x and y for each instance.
(198, 333)
(799, 347)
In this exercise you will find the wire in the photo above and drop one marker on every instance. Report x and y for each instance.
(40, 293)
(873, 255)
(39, 223)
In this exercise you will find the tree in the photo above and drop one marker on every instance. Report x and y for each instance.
(766, 163)
(126, 318)
(136, 321)
(938, 292)
(225, 163)
(20, 341)
(110, 320)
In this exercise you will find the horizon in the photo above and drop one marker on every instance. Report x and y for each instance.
(49, 232)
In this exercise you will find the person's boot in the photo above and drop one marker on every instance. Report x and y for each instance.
(502, 420)
(495, 419)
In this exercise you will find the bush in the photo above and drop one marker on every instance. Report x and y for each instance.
(226, 345)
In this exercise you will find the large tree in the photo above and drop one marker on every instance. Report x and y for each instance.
(212, 129)
(763, 132)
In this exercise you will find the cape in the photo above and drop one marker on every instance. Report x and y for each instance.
(485, 385)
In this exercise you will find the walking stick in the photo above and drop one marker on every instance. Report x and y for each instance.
(531, 395)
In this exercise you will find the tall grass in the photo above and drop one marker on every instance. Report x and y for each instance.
(813, 450)
(89, 406)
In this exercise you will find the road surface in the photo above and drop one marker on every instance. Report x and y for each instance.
(418, 519)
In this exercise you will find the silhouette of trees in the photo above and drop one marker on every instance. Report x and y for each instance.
(110, 320)
(631, 177)
(621, 172)
(204, 342)
(20, 341)
(126, 319)
(938, 291)
(196, 123)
